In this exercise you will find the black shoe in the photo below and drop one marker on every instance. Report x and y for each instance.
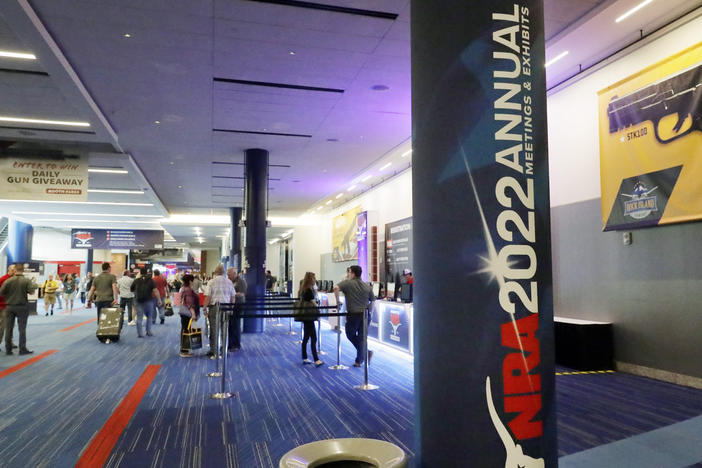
(14, 346)
(210, 354)
(9, 353)
(46, 314)
(52, 312)
(162, 320)
(25, 351)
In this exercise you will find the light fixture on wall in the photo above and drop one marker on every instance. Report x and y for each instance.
(556, 59)
(17, 55)
(68, 123)
(123, 191)
(107, 170)
(633, 10)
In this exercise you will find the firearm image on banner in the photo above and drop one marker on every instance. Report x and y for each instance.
(344, 230)
(651, 145)
(483, 326)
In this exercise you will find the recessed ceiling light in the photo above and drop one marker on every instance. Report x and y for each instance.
(319, 208)
(351, 188)
(328, 202)
(79, 202)
(292, 52)
(172, 163)
(67, 123)
(107, 170)
(380, 87)
(339, 196)
(180, 186)
(366, 178)
(127, 35)
(61, 213)
(128, 192)
(632, 11)
(555, 59)
(406, 153)
(18, 55)
(157, 122)
(385, 166)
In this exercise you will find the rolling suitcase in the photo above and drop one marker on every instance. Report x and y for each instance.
(110, 324)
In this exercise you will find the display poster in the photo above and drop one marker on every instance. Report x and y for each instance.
(116, 239)
(374, 322)
(651, 145)
(395, 326)
(398, 249)
(362, 243)
(344, 247)
(58, 178)
(483, 316)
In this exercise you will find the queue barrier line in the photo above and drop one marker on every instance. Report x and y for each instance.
(79, 325)
(234, 309)
(586, 372)
(104, 441)
(28, 362)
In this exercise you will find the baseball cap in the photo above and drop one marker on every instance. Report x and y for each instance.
(406, 271)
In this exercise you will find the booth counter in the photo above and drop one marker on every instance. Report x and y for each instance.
(391, 322)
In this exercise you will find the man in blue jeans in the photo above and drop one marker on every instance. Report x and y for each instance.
(145, 293)
(104, 290)
(359, 297)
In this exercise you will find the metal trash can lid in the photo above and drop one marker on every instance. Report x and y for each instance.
(377, 453)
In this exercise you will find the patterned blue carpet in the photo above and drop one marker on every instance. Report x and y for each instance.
(52, 409)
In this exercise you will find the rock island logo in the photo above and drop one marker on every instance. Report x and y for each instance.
(640, 203)
(395, 322)
(83, 238)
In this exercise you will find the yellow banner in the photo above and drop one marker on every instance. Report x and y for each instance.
(344, 245)
(651, 144)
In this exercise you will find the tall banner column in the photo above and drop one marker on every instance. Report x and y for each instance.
(235, 247)
(256, 210)
(19, 241)
(484, 352)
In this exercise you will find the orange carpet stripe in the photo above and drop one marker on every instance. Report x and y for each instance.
(102, 444)
(79, 324)
(26, 363)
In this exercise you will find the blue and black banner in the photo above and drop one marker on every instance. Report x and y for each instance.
(484, 351)
(116, 239)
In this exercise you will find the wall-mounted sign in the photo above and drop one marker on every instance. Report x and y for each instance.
(61, 178)
(116, 239)
(651, 145)
(395, 326)
(344, 230)
(398, 249)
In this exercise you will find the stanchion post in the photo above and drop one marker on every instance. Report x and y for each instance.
(218, 336)
(319, 338)
(291, 332)
(225, 342)
(338, 365)
(366, 385)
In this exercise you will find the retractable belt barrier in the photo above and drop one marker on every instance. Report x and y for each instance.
(235, 309)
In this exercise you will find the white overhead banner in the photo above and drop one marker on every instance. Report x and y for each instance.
(63, 178)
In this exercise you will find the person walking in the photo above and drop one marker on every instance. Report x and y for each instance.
(145, 291)
(126, 296)
(50, 287)
(160, 305)
(308, 318)
(69, 292)
(104, 289)
(189, 311)
(219, 290)
(15, 291)
(359, 297)
(3, 302)
(235, 323)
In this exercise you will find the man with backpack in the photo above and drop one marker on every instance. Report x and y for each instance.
(145, 291)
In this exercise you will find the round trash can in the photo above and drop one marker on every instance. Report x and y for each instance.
(345, 453)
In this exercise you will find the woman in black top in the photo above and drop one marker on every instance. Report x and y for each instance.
(308, 317)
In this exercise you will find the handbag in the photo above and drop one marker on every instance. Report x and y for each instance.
(306, 311)
(191, 338)
(169, 308)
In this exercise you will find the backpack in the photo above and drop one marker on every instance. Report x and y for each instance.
(142, 290)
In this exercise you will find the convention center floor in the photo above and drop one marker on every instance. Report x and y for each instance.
(136, 403)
